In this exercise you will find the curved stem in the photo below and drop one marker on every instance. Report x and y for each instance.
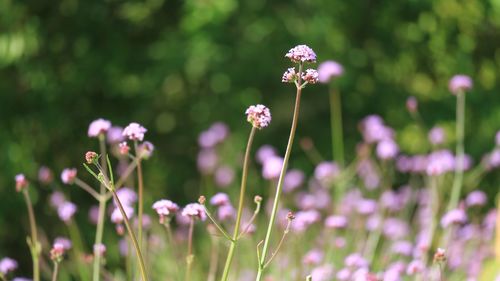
(459, 167)
(336, 123)
(101, 213)
(56, 271)
(34, 244)
(237, 225)
(142, 266)
(140, 193)
(280, 182)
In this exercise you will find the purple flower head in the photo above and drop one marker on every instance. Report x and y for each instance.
(271, 168)
(65, 242)
(373, 222)
(374, 130)
(303, 219)
(123, 247)
(395, 229)
(207, 161)
(391, 200)
(301, 53)
(344, 274)
(45, 175)
(404, 248)
(455, 216)
(436, 135)
(329, 70)
(366, 206)
(220, 199)
(195, 211)
(459, 83)
(336, 222)
(21, 279)
(326, 172)
(127, 196)
(56, 198)
(115, 135)
(7, 265)
(224, 176)
(313, 257)
(355, 260)
(220, 130)
(259, 116)
(497, 138)
(164, 208)
(415, 267)
(476, 198)
(293, 179)
(493, 159)
(412, 104)
(440, 162)
(66, 211)
(145, 149)
(310, 76)
(387, 149)
(207, 139)
(289, 76)
(93, 214)
(225, 212)
(21, 182)
(97, 127)
(117, 217)
(134, 132)
(323, 273)
(68, 175)
(265, 152)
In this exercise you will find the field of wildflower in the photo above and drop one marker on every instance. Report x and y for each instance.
(306, 185)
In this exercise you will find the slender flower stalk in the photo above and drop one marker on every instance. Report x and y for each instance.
(459, 167)
(267, 240)
(497, 236)
(101, 213)
(140, 207)
(55, 272)
(189, 256)
(33, 242)
(237, 225)
(336, 126)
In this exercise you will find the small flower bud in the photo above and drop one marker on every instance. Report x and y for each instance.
(202, 200)
(412, 104)
(57, 252)
(90, 157)
(440, 255)
(257, 199)
(21, 182)
(124, 148)
(290, 216)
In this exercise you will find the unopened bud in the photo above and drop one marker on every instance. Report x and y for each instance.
(257, 199)
(90, 157)
(290, 216)
(202, 200)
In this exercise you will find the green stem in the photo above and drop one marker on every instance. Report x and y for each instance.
(138, 252)
(189, 257)
(56, 271)
(237, 225)
(267, 240)
(34, 244)
(101, 214)
(74, 234)
(141, 189)
(459, 167)
(336, 124)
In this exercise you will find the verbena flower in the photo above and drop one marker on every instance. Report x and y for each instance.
(99, 249)
(117, 217)
(220, 199)
(412, 104)
(68, 175)
(476, 198)
(7, 265)
(97, 127)
(127, 196)
(415, 267)
(310, 76)
(294, 178)
(329, 70)
(436, 135)
(134, 132)
(65, 242)
(326, 172)
(123, 148)
(455, 216)
(271, 168)
(165, 208)
(207, 161)
(460, 83)
(289, 76)
(224, 176)
(194, 210)
(45, 175)
(66, 211)
(387, 149)
(265, 152)
(336, 222)
(115, 135)
(21, 182)
(301, 53)
(57, 252)
(145, 149)
(259, 116)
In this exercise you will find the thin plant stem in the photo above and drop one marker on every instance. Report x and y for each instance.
(217, 225)
(33, 242)
(75, 236)
(279, 187)
(142, 266)
(130, 168)
(87, 188)
(189, 257)
(214, 259)
(55, 272)
(497, 236)
(140, 193)
(273, 255)
(101, 214)
(459, 168)
(435, 211)
(250, 222)
(237, 225)
(336, 124)
(170, 239)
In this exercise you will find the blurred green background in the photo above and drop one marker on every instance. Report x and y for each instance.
(178, 66)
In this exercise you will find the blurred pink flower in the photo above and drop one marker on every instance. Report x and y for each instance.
(329, 70)
(134, 132)
(97, 127)
(459, 83)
